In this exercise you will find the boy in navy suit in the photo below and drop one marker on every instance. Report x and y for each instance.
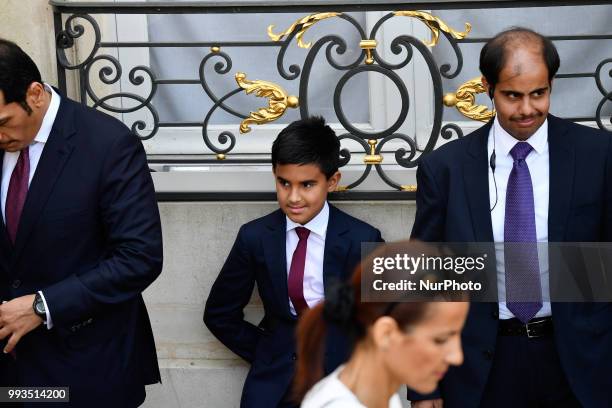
(292, 254)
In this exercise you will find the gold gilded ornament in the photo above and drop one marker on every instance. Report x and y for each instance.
(436, 25)
(465, 101)
(278, 101)
(302, 25)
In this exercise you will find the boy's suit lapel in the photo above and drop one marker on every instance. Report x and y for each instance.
(337, 246)
(274, 246)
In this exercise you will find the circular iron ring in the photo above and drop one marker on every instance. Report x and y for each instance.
(400, 86)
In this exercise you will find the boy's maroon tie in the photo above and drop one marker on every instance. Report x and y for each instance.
(295, 282)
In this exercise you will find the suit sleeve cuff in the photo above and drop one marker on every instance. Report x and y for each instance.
(48, 322)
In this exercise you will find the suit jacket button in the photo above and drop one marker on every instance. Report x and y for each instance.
(294, 357)
(488, 354)
(16, 284)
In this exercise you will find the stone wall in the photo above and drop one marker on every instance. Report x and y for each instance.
(30, 24)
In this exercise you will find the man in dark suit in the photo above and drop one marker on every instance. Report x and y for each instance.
(80, 239)
(526, 176)
(294, 255)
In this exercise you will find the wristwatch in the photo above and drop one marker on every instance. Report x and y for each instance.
(39, 307)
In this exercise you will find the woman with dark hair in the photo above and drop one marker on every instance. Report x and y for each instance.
(410, 342)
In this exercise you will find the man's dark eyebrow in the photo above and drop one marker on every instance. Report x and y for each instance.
(509, 91)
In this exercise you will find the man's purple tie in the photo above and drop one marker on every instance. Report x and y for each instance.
(295, 282)
(17, 192)
(523, 287)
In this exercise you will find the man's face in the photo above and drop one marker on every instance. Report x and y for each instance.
(522, 95)
(301, 190)
(17, 127)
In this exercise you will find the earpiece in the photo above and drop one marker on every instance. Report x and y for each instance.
(492, 158)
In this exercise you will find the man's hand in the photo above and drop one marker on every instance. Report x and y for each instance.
(17, 318)
(436, 403)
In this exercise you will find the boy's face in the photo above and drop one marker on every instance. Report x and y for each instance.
(301, 190)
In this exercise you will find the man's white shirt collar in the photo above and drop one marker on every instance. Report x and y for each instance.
(318, 224)
(505, 142)
(47, 124)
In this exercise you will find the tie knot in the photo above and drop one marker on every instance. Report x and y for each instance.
(520, 150)
(302, 232)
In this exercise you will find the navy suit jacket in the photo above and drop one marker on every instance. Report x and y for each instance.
(453, 206)
(258, 256)
(90, 238)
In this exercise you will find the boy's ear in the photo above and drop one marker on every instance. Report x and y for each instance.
(332, 182)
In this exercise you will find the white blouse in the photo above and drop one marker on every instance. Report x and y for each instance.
(330, 392)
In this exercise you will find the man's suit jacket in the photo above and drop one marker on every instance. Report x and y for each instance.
(90, 238)
(453, 206)
(258, 256)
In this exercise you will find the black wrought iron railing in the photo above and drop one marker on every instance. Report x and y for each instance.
(75, 20)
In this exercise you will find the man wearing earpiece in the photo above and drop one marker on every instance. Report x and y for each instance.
(526, 176)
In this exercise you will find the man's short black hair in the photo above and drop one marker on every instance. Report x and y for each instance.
(17, 72)
(308, 141)
(494, 53)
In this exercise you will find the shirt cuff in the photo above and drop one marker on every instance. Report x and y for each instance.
(49, 322)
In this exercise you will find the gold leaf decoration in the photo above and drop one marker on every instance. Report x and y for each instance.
(278, 101)
(436, 25)
(302, 25)
(465, 101)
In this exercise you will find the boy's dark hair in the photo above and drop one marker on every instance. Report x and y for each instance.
(494, 53)
(17, 72)
(308, 141)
